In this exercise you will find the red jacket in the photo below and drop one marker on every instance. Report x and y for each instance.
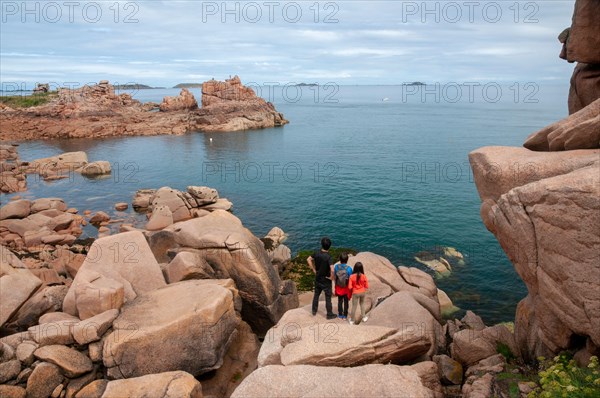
(359, 287)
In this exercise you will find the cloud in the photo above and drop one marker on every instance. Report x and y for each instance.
(372, 42)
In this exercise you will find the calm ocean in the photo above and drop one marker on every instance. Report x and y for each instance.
(388, 176)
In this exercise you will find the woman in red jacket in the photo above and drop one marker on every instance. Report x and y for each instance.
(358, 286)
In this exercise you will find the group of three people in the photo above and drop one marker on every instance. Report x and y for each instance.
(349, 283)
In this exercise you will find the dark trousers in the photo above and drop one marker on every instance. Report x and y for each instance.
(322, 286)
(343, 305)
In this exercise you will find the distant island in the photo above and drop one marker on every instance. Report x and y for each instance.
(189, 85)
(414, 84)
(133, 86)
(306, 85)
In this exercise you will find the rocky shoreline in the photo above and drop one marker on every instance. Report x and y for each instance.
(96, 111)
(85, 319)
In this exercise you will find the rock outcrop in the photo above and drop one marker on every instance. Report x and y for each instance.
(581, 130)
(96, 111)
(163, 385)
(544, 209)
(228, 250)
(13, 178)
(117, 269)
(581, 43)
(184, 326)
(316, 381)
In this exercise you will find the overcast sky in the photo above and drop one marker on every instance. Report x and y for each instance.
(162, 43)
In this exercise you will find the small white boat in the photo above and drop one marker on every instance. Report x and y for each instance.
(385, 99)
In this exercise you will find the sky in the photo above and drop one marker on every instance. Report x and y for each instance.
(162, 43)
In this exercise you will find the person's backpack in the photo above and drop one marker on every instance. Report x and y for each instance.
(341, 276)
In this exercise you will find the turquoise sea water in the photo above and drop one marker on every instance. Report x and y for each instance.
(391, 177)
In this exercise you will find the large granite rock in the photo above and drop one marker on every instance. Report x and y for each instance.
(414, 315)
(232, 251)
(301, 338)
(119, 260)
(585, 86)
(184, 326)
(345, 345)
(17, 284)
(583, 42)
(317, 381)
(544, 209)
(175, 384)
(578, 131)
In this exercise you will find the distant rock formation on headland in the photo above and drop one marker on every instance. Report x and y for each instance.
(96, 111)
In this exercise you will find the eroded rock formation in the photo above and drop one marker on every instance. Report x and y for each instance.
(581, 43)
(544, 208)
(97, 111)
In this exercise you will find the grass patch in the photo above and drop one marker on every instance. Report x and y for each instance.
(27, 101)
(301, 273)
(561, 377)
(505, 351)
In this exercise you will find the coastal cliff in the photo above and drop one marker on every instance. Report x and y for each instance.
(97, 111)
(542, 203)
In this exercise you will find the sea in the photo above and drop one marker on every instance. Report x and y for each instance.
(376, 168)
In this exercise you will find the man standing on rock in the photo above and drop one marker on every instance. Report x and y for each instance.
(322, 265)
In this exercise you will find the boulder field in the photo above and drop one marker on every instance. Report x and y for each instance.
(198, 308)
(96, 111)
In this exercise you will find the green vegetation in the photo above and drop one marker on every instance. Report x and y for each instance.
(503, 349)
(301, 273)
(237, 376)
(27, 101)
(561, 377)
